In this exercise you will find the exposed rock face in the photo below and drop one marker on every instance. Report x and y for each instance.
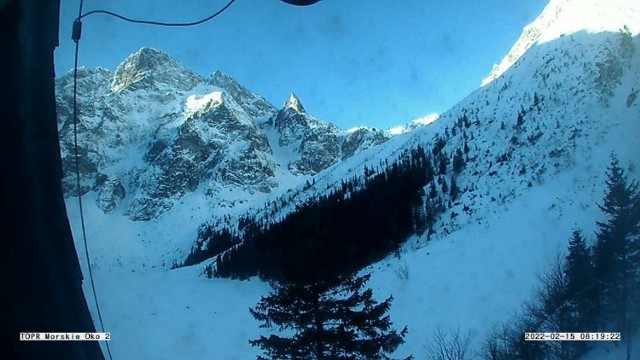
(110, 195)
(319, 144)
(154, 131)
(319, 149)
(254, 104)
(295, 104)
(218, 141)
(292, 122)
(93, 84)
(360, 139)
(153, 69)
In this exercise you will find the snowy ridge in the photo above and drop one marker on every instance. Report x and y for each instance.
(202, 103)
(152, 68)
(565, 17)
(253, 104)
(414, 124)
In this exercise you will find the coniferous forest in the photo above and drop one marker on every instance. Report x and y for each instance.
(350, 228)
(356, 224)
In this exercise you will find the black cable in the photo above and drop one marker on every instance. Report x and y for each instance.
(76, 35)
(157, 23)
(77, 27)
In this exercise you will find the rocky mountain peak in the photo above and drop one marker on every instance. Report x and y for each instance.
(154, 132)
(150, 68)
(220, 79)
(254, 104)
(294, 103)
(292, 122)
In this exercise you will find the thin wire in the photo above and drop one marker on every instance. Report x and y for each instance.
(75, 126)
(75, 143)
(80, 9)
(157, 23)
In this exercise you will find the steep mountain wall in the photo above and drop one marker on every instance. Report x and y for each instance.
(154, 131)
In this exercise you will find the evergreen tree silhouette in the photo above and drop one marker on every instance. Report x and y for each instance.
(328, 319)
(617, 255)
(580, 291)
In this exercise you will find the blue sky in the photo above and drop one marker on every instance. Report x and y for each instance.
(352, 62)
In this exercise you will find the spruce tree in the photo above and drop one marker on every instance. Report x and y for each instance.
(329, 319)
(419, 220)
(442, 163)
(580, 284)
(520, 119)
(458, 161)
(617, 254)
(454, 190)
(429, 216)
(579, 292)
(433, 193)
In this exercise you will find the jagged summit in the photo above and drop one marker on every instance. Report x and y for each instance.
(294, 103)
(222, 80)
(254, 104)
(565, 17)
(151, 68)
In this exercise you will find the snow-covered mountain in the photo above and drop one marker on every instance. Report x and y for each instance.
(536, 139)
(568, 17)
(154, 131)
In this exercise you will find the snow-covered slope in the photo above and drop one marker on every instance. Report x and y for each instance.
(566, 17)
(551, 113)
(539, 137)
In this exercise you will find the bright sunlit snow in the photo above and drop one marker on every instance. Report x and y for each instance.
(566, 17)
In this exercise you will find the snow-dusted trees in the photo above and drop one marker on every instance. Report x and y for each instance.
(328, 319)
(550, 310)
